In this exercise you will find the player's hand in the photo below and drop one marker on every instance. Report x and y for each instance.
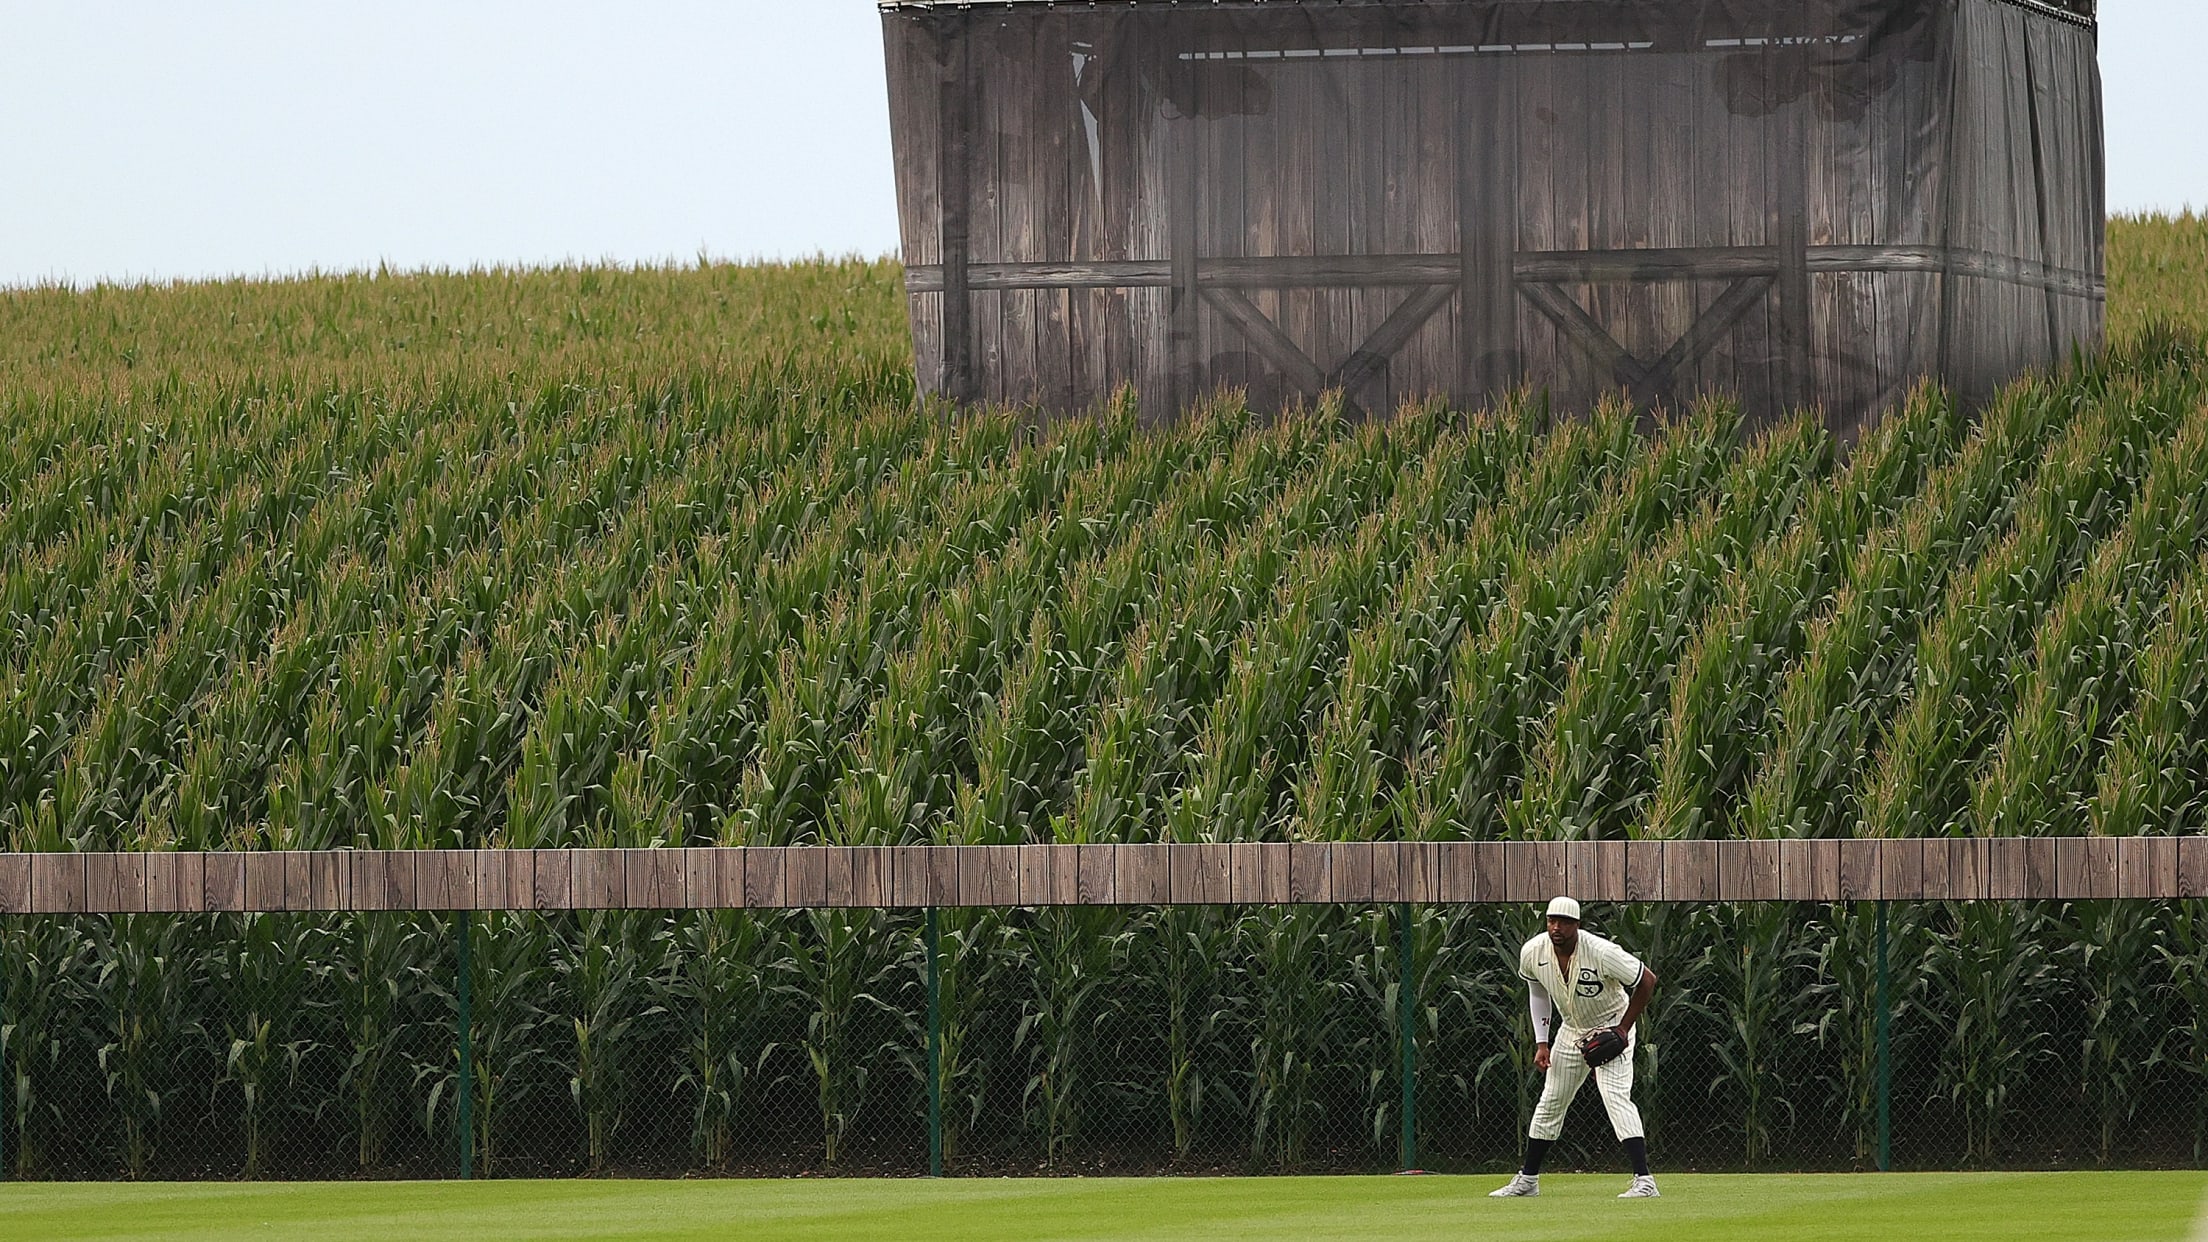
(1541, 1057)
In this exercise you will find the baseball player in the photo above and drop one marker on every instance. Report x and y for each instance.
(1599, 990)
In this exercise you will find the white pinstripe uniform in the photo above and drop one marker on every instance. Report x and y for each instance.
(1596, 996)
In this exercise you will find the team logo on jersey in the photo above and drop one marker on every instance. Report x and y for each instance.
(1590, 983)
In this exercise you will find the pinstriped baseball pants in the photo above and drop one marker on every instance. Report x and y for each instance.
(1567, 1070)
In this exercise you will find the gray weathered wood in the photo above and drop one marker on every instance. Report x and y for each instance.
(176, 882)
(2192, 866)
(552, 880)
(1690, 871)
(1901, 870)
(1096, 875)
(224, 875)
(652, 879)
(15, 884)
(701, 878)
(1859, 870)
(1144, 874)
(1310, 872)
(596, 879)
(115, 883)
(870, 875)
(1962, 869)
(805, 877)
(763, 876)
(1644, 870)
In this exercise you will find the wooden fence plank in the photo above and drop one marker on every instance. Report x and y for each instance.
(870, 875)
(1349, 866)
(1763, 870)
(2039, 867)
(2085, 867)
(1096, 874)
(943, 869)
(701, 877)
(1490, 870)
(1936, 857)
(2192, 866)
(326, 880)
(15, 884)
(1579, 869)
(805, 877)
(1690, 871)
(445, 879)
(505, 879)
(1598, 871)
(652, 879)
(1214, 862)
(1183, 878)
(838, 861)
(225, 877)
(1901, 869)
(58, 883)
(1460, 872)
(1065, 874)
(999, 874)
(1858, 870)
(728, 868)
(2005, 872)
(2135, 867)
(1797, 872)
(115, 883)
(364, 888)
(264, 881)
(1644, 870)
(1035, 877)
(1390, 863)
(1276, 869)
(1310, 872)
(1966, 869)
(175, 881)
(763, 876)
(1143, 874)
(1534, 871)
(1245, 872)
(1732, 870)
(551, 879)
(2162, 866)
(600, 879)
(1423, 884)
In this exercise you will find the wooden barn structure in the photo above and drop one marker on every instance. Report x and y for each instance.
(1802, 202)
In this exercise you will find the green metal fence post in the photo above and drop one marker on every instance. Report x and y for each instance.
(935, 1054)
(1406, 1021)
(1885, 1052)
(466, 1108)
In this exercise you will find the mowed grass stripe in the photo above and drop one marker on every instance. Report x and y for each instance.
(1958, 1207)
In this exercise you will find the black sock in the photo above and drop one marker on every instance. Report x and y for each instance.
(1636, 1150)
(1537, 1150)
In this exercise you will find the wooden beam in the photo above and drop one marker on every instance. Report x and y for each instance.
(772, 877)
(1276, 346)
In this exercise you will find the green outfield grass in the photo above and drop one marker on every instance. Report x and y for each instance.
(2116, 1207)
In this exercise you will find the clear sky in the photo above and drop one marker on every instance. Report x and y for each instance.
(154, 139)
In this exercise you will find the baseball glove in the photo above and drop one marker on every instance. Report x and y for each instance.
(1599, 1048)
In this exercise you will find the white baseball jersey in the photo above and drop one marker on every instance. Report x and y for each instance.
(1602, 982)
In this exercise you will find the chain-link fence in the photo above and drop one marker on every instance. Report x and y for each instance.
(1082, 1040)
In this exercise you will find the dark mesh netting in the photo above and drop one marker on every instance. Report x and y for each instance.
(1799, 202)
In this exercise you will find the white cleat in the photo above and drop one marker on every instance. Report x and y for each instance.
(1519, 1187)
(1643, 1187)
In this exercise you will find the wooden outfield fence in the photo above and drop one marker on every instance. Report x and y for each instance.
(822, 876)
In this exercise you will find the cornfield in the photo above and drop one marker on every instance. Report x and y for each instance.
(667, 557)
